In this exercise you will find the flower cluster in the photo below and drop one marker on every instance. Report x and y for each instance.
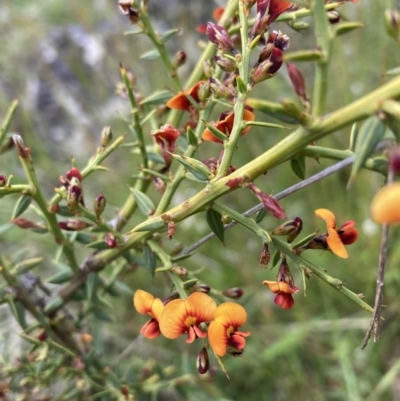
(197, 316)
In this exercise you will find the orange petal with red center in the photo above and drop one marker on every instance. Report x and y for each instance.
(328, 216)
(285, 301)
(231, 314)
(335, 244)
(385, 207)
(180, 100)
(150, 329)
(142, 301)
(201, 306)
(276, 8)
(217, 337)
(172, 319)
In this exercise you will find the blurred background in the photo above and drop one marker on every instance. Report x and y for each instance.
(61, 60)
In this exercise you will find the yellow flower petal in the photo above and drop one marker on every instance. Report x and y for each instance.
(328, 216)
(217, 337)
(231, 314)
(272, 285)
(142, 301)
(201, 306)
(156, 308)
(172, 319)
(385, 207)
(335, 244)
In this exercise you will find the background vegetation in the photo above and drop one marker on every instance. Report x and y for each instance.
(61, 60)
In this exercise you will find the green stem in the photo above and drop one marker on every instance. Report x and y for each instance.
(333, 282)
(51, 219)
(16, 189)
(238, 109)
(7, 120)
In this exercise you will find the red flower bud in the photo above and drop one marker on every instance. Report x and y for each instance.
(3, 180)
(271, 205)
(220, 36)
(297, 79)
(110, 240)
(179, 59)
(233, 293)
(74, 173)
(99, 205)
(203, 362)
(201, 288)
(73, 225)
(132, 13)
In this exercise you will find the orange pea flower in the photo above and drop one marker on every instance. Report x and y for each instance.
(223, 334)
(338, 238)
(185, 316)
(181, 101)
(283, 293)
(146, 304)
(385, 207)
(165, 137)
(225, 124)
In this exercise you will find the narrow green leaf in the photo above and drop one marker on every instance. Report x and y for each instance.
(23, 203)
(155, 158)
(191, 137)
(151, 224)
(64, 211)
(156, 98)
(215, 131)
(191, 177)
(371, 132)
(353, 137)
(260, 215)
(298, 166)
(18, 311)
(214, 220)
(5, 227)
(304, 241)
(99, 314)
(150, 259)
(190, 283)
(84, 238)
(346, 27)
(272, 109)
(276, 257)
(196, 167)
(178, 258)
(150, 55)
(133, 32)
(145, 204)
(53, 304)
(60, 278)
(91, 285)
(98, 245)
(27, 265)
(303, 55)
(169, 34)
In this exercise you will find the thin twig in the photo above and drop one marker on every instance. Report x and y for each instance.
(294, 188)
(374, 325)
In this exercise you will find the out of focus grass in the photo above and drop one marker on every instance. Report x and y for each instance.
(61, 60)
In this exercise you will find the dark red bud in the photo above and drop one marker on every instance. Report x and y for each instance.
(203, 362)
(74, 173)
(201, 288)
(271, 205)
(159, 184)
(99, 205)
(73, 225)
(42, 336)
(3, 180)
(333, 17)
(219, 36)
(132, 13)
(394, 159)
(179, 59)
(233, 293)
(21, 222)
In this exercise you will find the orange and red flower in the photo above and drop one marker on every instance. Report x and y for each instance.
(146, 304)
(338, 238)
(166, 137)
(385, 207)
(223, 334)
(283, 293)
(225, 125)
(181, 101)
(185, 316)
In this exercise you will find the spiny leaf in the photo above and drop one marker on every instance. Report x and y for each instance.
(214, 220)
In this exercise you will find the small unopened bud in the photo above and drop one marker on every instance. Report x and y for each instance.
(202, 361)
(220, 36)
(55, 208)
(86, 338)
(265, 256)
(201, 288)
(179, 271)
(171, 229)
(300, 25)
(297, 79)
(392, 24)
(291, 228)
(125, 391)
(207, 68)
(219, 89)
(73, 225)
(233, 293)
(271, 205)
(225, 64)
(132, 13)
(204, 92)
(333, 17)
(99, 205)
(226, 219)
(42, 336)
(74, 173)
(159, 184)
(179, 59)
(21, 222)
(3, 180)
(266, 52)
(394, 159)
(74, 197)
(21, 149)
(106, 137)
(110, 240)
